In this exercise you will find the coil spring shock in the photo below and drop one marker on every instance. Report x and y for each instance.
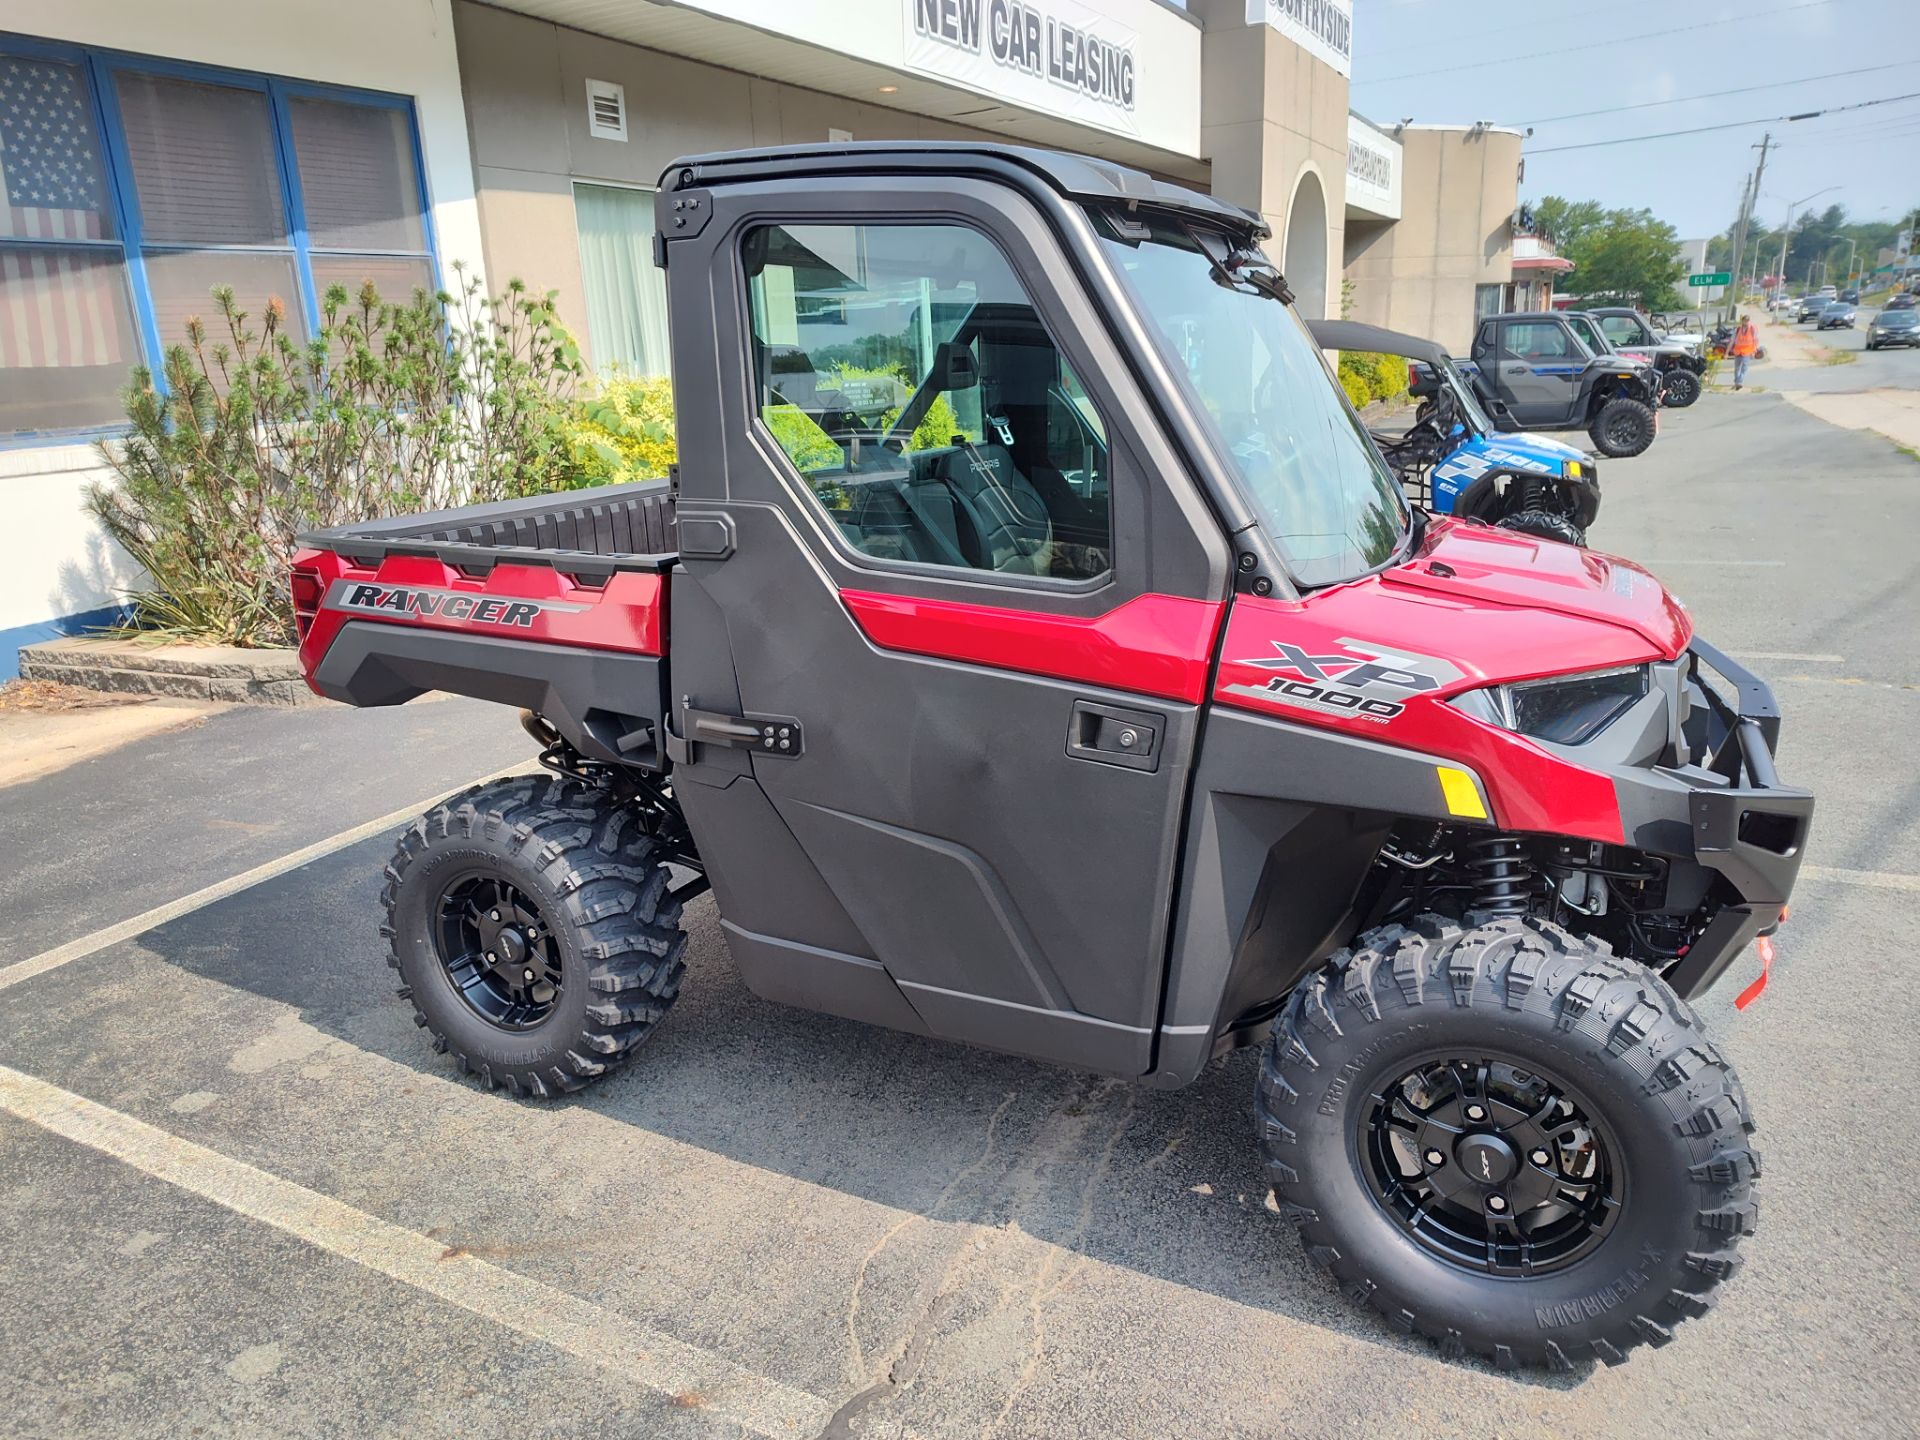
(1500, 874)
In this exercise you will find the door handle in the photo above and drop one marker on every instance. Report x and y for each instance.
(775, 736)
(1111, 735)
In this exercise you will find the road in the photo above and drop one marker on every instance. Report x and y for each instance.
(243, 1196)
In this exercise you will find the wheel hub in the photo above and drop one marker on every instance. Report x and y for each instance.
(498, 952)
(1489, 1167)
(1486, 1158)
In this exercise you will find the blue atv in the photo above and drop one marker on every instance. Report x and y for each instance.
(1453, 459)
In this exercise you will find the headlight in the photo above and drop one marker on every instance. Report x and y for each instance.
(1567, 709)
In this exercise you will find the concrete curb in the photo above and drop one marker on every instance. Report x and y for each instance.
(190, 672)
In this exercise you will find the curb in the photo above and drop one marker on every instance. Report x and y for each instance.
(188, 672)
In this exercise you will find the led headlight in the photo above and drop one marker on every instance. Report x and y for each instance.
(1566, 709)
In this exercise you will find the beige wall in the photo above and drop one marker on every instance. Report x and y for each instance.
(1271, 114)
(525, 82)
(1458, 195)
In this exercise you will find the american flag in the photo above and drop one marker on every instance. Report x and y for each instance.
(58, 307)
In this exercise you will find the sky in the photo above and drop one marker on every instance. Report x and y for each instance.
(1457, 61)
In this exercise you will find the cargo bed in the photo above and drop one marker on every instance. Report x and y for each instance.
(555, 604)
(584, 532)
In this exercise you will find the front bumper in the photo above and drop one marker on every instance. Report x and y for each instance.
(1729, 815)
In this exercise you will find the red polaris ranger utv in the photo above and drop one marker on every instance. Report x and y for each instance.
(1034, 650)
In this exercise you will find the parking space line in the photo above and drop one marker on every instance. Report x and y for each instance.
(113, 934)
(1813, 658)
(1880, 879)
(634, 1353)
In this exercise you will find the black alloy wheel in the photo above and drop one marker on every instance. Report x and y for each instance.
(498, 951)
(1490, 1167)
(1679, 389)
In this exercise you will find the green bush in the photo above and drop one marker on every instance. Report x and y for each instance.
(620, 433)
(1369, 377)
(391, 407)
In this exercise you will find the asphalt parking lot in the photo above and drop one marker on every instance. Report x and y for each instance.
(243, 1196)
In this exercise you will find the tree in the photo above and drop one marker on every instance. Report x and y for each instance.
(1623, 255)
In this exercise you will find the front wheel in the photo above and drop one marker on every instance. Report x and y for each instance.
(1680, 389)
(1623, 428)
(531, 924)
(1545, 525)
(1508, 1140)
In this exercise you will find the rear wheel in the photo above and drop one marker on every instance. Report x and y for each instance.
(1508, 1140)
(531, 925)
(1546, 524)
(1623, 428)
(1680, 389)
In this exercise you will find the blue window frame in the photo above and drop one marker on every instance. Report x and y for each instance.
(130, 185)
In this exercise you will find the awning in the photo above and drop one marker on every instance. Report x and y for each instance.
(1543, 262)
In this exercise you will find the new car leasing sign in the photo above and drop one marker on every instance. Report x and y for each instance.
(1324, 27)
(1054, 55)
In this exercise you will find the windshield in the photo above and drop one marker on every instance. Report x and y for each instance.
(1302, 457)
(1469, 402)
(1588, 335)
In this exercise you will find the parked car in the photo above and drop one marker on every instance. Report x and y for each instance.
(1534, 373)
(1835, 315)
(1894, 327)
(1679, 365)
(1453, 460)
(1118, 753)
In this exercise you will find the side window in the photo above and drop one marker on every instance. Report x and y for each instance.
(1620, 329)
(1584, 329)
(1535, 340)
(906, 375)
(1483, 341)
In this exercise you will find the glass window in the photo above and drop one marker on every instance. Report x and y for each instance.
(1486, 300)
(1584, 329)
(67, 334)
(1621, 330)
(1305, 463)
(906, 375)
(203, 161)
(626, 291)
(182, 284)
(1536, 340)
(357, 176)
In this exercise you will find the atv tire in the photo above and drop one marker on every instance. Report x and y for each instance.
(1511, 1004)
(1624, 428)
(531, 925)
(1680, 389)
(1544, 525)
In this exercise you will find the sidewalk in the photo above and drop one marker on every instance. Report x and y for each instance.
(1892, 411)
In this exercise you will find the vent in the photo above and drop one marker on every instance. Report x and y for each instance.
(606, 110)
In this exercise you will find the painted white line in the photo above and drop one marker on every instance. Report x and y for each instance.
(1815, 659)
(1879, 879)
(633, 1353)
(1690, 560)
(100, 939)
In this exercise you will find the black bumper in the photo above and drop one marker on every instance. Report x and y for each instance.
(1731, 816)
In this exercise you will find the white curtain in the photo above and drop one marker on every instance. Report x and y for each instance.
(626, 295)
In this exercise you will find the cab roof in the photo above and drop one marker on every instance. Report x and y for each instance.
(1085, 178)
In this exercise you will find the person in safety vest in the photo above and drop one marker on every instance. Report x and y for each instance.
(1746, 340)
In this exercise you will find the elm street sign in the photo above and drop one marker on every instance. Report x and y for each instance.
(1711, 277)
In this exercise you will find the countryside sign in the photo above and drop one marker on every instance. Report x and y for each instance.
(1711, 277)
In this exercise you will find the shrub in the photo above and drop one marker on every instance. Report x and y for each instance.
(391, 407)
(622, 432)
(1369, 377)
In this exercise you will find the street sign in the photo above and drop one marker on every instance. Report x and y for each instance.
(1712, 277)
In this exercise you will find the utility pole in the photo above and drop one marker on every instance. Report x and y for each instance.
(1748, 201)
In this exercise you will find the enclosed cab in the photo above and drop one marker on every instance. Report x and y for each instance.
(1033, 649)
(1536, 373)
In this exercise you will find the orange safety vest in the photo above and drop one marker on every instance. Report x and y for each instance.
(1745, 340)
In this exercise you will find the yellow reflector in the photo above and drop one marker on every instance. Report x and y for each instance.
(1573, 469)
(1462, 795)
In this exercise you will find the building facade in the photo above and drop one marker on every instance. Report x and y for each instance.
(150, 153)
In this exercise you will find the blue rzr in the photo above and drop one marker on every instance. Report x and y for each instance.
(1454, 460)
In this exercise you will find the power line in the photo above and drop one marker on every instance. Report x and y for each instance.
(1730, 125)
(1718, 94)
(1503, 30)
(1595, 44)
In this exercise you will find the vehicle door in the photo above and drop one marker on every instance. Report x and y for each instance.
(939, 656)
(1540, 367)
